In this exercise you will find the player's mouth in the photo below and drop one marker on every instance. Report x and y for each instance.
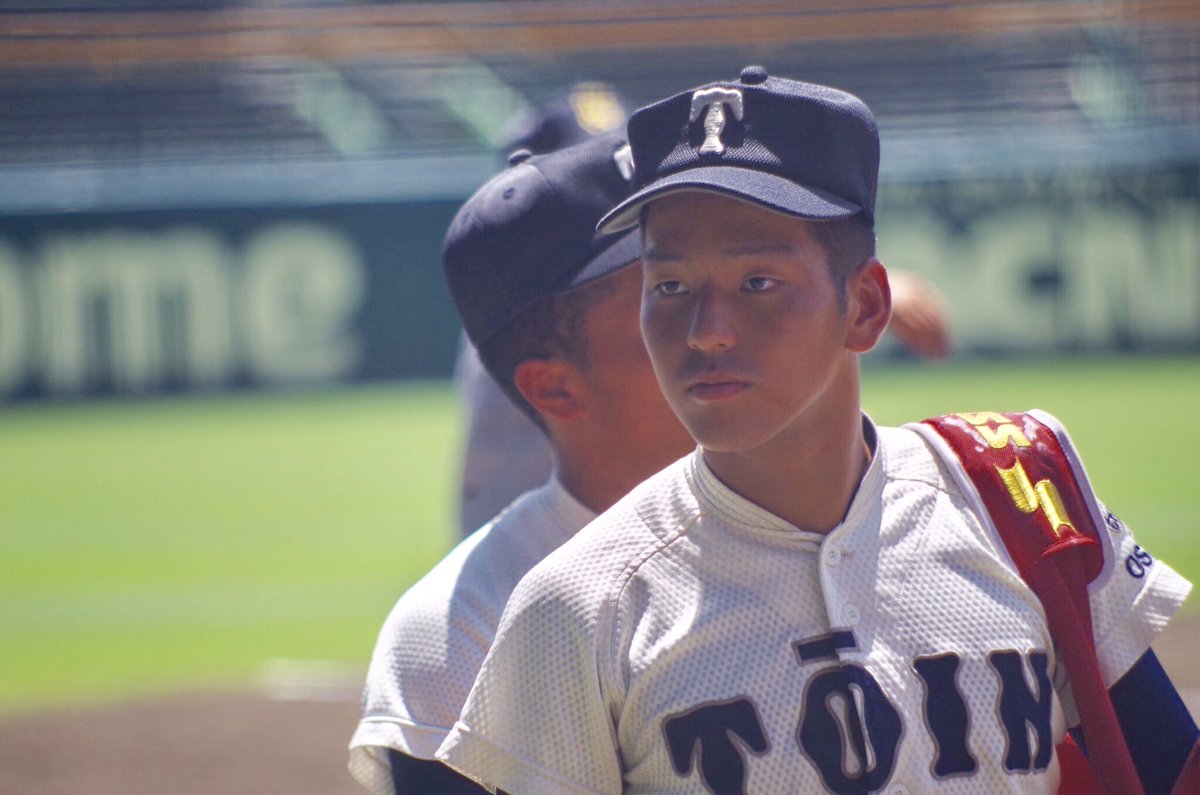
(712, 387)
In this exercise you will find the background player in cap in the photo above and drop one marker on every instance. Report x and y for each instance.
(553, 308)
(505, 453)
(808, 603)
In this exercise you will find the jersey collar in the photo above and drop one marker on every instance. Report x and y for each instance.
(718, 498)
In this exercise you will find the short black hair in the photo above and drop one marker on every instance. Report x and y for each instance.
(552, 328)
(848, 242)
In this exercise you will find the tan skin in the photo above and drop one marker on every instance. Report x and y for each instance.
(607, 421)
(754, 353)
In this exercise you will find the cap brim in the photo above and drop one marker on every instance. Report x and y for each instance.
(767, 190)
(612, 259)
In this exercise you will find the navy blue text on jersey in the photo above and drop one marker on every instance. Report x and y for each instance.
(850, 731)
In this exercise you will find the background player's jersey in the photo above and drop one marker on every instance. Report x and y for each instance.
(722, 650)
(434, 640)
(504, 453)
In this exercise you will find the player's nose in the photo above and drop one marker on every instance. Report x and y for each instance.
(712, 328)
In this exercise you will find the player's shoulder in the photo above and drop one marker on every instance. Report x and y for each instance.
(918, 450)
(533, 526)
(995, 430)
(590, 567)
(909, 459)
(651, 511)
(428, 608)
(474, 580)
(447, 619)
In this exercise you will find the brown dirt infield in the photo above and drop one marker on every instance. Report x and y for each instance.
(230, 742)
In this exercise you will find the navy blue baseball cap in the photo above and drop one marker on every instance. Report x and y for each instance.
(800, 149)
(530, 232)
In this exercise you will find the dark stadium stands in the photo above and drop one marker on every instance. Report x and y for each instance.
(218, 85)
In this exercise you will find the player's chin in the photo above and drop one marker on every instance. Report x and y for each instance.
(722, 430)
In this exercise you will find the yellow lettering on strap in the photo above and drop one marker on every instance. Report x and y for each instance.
(999, 437)
(983, 417)
(1052, 506)
(1028, 498)
(1020, 489)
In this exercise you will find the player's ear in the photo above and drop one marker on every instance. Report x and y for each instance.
(555, 387)
(868, 305)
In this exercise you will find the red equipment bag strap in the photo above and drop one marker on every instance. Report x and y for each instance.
(1026, 484)
(1188, 782)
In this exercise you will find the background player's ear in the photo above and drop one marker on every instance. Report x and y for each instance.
(869, 305)
(555, 387)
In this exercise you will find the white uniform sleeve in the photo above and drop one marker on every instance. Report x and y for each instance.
(1133, 602)
(1135, 595)
(425, 659)
(411, 695)
(536, 721)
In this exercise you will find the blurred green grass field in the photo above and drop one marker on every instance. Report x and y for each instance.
(156, 544)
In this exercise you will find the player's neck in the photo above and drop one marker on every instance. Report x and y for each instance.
(808, 477)
(600, 471)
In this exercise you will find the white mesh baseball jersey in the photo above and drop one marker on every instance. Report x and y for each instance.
(690, 641)
(435, 638)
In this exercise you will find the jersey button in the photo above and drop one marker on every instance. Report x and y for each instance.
(833, 555)
(851, 615)
(897, 789)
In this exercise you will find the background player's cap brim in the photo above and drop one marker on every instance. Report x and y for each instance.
(621, 253)
(767, 190)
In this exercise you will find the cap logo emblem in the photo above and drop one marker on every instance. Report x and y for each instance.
(623, 157)
(711, 102)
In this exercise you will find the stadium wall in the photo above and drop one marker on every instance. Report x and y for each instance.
(160, 301)
(210, 298)
(1058, 263)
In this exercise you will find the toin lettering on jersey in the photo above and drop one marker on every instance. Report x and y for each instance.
(850, 731)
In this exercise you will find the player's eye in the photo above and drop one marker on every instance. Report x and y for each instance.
(669, 288)
(758, 284)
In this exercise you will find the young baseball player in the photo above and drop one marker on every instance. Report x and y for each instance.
(808, 603)
(505, 453)
(552, 308)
